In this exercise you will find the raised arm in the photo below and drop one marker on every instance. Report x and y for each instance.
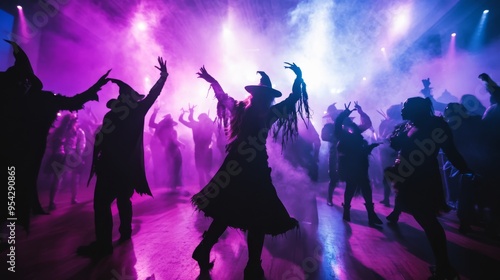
(339, 121)
(183, 121)
(152, 119)
(287, 106)
(224, 99)
(76, 102)
(366, 122)
(155, 91)
(191, 113)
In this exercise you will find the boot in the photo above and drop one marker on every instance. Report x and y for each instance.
(253, 271)
(202, 253)
(373, 219)
(347, 212)
(393, 217)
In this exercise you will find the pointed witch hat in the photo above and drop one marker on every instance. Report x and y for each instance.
(23, 66)
(126, 90)
(264, 87)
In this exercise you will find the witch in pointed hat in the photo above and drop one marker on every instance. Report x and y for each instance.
(29, 114)
(246, 198)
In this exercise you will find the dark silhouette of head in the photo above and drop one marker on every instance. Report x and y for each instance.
(203, 117)
(351, 126)
(332, 112)
(454, 110)
(416, 109)
(394, 112)
(263, 93)
(168, 121)
(473, 105)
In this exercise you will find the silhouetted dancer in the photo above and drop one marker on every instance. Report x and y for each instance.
(491, 176)
(469, 138)
(353, 152)
(328, 135)
(203, 132)
(166, 135)
(241, 194)
(65, 162)
(29, 113)
(416, 176)
(118, 163)
(387, 154)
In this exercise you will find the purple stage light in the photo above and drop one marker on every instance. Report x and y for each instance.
(19, 7)
(453, 34)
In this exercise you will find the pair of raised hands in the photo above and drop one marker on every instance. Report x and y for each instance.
(347, 109)
(203, 73)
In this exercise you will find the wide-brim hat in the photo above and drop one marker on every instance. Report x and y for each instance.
(332, 111)
(264, 87)
(168, 120)
(126, 90)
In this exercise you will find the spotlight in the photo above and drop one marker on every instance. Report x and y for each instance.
(453, 34)
(382, 49)
(19, 7)
(364, 78)
(486, 11)
(141, 25)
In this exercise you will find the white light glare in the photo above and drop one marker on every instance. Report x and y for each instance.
(486, 11)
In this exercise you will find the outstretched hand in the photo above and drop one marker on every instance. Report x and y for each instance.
(191, 108)
(357, 107)
(163, 67)
(203, 73)
(103, 79)
(347, 110)
(426, 82)
(101, 82)
(294, 68)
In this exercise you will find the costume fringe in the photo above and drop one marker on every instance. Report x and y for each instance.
(288, 125)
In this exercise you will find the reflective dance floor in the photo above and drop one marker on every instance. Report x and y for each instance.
(166, 229)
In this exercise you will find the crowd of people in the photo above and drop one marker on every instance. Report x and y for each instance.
(433, 157)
